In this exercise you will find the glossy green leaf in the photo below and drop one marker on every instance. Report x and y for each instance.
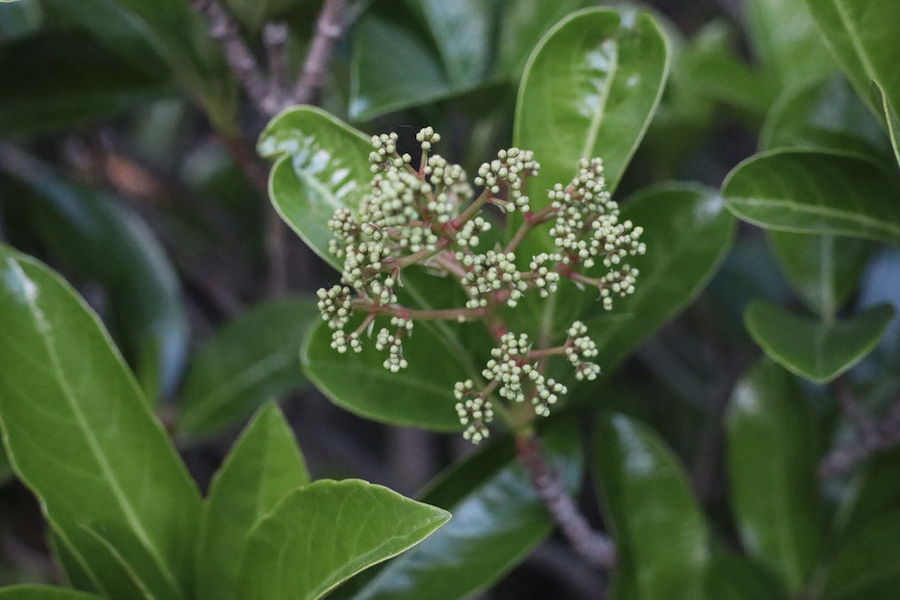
(251, 359)
(657, 524)
(739, 578)
(893, 126)
(786, 41)
(827, 115)
(862, 35)
(497, 520)
(64, 80)
(823, 269)
(326, 532)
(322, 165)
(20, 19)
(812, 348)
(867, 564)
(42, 592)
(98, 238)
(262, 467)
(772, 468)
(687, 231)
(589, 90)
(522, 25)
(76, 426)
(806, 191)
(420, 395)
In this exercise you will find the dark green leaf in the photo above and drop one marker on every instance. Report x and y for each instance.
(659, 529)
(497, 520)
(867, 564)
(823, 269)
(589, 90)
(420, 395)
(80, 434)
(816, 349)
(893, 126)
(262, 467)
(326, 532)
(522, 25)
(772, 463)
(20, 19)
(739, 578)
(42, 592)
(322, 165)
(251, 359)
(806, 191)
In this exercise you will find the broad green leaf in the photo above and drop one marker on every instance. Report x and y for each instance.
(688, 232)
(739, 578)
(497, 520)
(823, 269)
(98, 238)
(862, 36)
(589, 90)
(826, 115)
(657, 524)
(62, 80)
(75, 574)
(249, 360)
(866, 566)
(806, 191)
(875, 492)
(20, 19)
(772, 463)
(816, 349)
(420, 395)
(322, 165)
(326, 532)
(262, 467)
(786, 41)
(522, 25)
(893, 126)
(78, 431)
(42, 592)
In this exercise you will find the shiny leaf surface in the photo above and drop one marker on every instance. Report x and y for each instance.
(812, 348)
(262, 467)
(359, 523)
(658, 527)
(774, 492)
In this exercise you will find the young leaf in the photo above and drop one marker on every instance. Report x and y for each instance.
(42, 592)
(262, 467)
(773, 491)
(658, 526)
(322, 164)
(497, 520)
(589, 89)
(78, 431)
(326, 532)
(687, 231)
(251, 359)
(420, 395)
(809, 191)
(740, 578)
(816, 349)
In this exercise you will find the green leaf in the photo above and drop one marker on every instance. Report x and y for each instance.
(322, 165)
(262, 467)
(79, 433)
(772, 463)
(62, 80)
(867, 564)
(823, 269)
(521, 27)
(589, 90)
(322, 534)
(862, 36)
(251, 359)
(20, 19)
(97, 237)
(812, 348)
(893, 126)
(658, 527)
(687, 231)
(42, 592)
(786, 41)
(420, 395)
(739, 578)
(497, 520)
(806, 191)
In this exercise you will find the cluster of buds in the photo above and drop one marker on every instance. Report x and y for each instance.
(426, 215)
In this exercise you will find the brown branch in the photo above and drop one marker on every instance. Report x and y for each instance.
(275, 39)
(593, 546)
(329, 28)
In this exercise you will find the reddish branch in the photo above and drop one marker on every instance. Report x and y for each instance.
(592, 545)
(329, 28)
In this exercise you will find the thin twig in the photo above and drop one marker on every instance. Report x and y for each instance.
(329, 28)
(593, 546)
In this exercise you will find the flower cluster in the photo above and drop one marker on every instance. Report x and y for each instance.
(509, 169)
(474, 411)
(580, 347)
